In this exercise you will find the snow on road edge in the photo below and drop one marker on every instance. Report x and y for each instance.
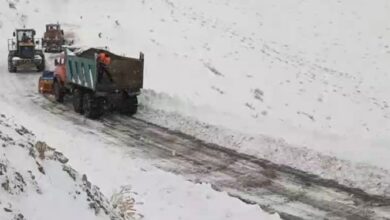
(348, 173)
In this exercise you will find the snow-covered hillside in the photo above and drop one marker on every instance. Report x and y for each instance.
(302, 83)
(36, 182)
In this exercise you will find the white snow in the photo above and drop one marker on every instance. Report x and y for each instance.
(302, 83)
(315, 75)
(26, 192)
(112, 165)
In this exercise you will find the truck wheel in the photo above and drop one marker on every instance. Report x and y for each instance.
(91, 107)
(78, 101)
(129, 105)
(58, 93)
(39, 84)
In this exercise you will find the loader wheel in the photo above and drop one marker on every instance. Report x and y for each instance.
(58, 93)
(11, 67)
(91, 107)
(129, 105)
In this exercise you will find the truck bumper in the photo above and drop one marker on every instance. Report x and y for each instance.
(45, 86)
(45, 83)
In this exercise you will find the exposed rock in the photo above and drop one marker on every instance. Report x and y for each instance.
(70, 171)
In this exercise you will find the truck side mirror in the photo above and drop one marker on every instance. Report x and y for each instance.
(62, 32)
(141, 56)
(55, 62)
(34, 32)
(14, 34)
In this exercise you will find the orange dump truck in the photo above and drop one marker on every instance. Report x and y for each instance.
(95, 87)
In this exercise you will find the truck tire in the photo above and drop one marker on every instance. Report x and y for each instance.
(91, 107)
(39, 84)
(58, 92)
(78, 100)
(128, 105)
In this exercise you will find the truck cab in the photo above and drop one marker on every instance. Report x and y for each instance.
(59, 69)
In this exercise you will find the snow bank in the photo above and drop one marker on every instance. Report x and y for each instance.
(348, 173)
(36, 182)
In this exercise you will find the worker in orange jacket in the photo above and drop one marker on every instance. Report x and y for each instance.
(103, 60)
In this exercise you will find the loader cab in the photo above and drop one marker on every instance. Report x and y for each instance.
(25, 36)
(25, 44)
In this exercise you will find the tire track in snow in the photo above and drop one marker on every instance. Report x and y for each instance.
(292, 193)
(275, 188)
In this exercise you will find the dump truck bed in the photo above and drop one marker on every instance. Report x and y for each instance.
(126, 72)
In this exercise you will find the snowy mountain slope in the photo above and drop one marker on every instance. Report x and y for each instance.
(315, 75)
(36, 182)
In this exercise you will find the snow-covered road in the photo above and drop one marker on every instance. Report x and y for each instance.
(291, 193)
(113, 164)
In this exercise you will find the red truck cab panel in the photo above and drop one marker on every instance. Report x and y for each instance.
(60, 70)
